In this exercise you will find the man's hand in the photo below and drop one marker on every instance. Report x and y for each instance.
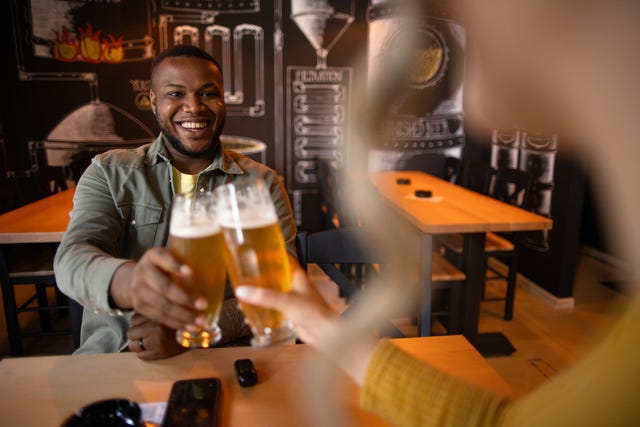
(158, 341)
(149, 288)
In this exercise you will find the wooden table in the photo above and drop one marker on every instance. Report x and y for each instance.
(454, 209)
(43, 221)
(43, 391)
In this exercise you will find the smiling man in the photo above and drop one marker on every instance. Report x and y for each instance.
(113, 257)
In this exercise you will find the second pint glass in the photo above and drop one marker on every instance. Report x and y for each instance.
(196, 240)
(257, 253)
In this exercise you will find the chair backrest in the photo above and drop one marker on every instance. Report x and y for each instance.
(335, 246)
(476, 175)
(452, 168)
(513, 186)
(342, 245)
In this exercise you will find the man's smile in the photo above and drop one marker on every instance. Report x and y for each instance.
(194, 125)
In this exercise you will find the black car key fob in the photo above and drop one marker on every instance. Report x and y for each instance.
(246, 372)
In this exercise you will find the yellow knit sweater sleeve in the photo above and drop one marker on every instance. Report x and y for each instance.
(407, 392)
(602, 389)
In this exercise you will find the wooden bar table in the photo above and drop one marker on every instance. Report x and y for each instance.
(39, 391)
(43, 221)
(455, 209)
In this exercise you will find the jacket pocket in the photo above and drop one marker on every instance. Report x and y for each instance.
(141, 226)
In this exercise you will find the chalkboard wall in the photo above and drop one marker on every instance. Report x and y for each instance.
(291, 68)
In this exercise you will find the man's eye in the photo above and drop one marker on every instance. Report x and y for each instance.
(209, 94)
(174, 94)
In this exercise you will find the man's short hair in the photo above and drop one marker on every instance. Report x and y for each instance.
(182, 50)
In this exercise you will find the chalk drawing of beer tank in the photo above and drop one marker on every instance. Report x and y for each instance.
(318, 97)
(428, 118)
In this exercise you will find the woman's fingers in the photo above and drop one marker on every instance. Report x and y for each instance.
(263, 297)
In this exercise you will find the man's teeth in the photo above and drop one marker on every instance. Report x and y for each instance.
(194, 125)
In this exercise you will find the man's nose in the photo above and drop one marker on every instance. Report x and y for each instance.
(192, 103)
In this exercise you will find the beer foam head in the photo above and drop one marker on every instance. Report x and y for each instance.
(248, 219)
(245, 205)
(192, 230)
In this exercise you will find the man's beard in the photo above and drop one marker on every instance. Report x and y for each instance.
(180, 148)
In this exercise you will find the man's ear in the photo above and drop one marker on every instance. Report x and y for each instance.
(152, 101)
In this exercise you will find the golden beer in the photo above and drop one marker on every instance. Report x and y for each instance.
(259, 258)
(200, 245)
(257, 253)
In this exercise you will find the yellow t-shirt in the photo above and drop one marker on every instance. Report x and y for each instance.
(183, 183)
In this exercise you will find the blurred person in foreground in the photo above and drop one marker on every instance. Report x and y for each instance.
(600, 390)
(113, 257)
(571, 66)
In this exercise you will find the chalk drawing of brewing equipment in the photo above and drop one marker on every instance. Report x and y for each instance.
(537, 157)
(322, 24)
(91, 128)
(505, 148)
(318, 111)
(318, 97)
(228, 45)
(422, 50)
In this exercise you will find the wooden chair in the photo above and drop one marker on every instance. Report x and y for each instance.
(452, 168)
(30, 265)
(512, 186)
(329, 248)
(476, 175)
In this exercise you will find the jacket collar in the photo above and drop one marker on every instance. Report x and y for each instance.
(222, 159)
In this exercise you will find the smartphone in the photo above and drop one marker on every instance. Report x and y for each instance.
(193, 403)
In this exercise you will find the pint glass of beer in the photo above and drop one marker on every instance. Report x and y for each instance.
(196, 240)
(257, 254)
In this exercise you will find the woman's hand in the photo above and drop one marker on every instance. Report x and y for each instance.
(315, 322)
(304, 306)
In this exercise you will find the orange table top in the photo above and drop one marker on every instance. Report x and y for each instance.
(44, 220)
(452, 208)
(45, 390)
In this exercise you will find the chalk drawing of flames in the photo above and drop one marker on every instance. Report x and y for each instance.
(87, 46)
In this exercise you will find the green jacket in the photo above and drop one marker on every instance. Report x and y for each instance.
(120, 209)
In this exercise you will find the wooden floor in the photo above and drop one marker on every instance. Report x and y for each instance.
(547, 339)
